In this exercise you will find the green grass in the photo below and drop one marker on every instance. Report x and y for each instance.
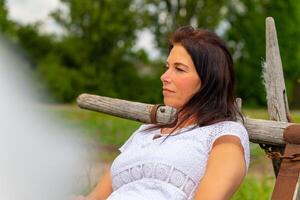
(104, 129)
(255, 189)
(263, 114)
(111, 132)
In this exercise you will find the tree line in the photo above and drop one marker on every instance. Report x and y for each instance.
(95, 53)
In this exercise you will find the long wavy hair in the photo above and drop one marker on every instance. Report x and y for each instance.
(215, 100)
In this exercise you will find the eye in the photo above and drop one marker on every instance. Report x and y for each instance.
(179, 69)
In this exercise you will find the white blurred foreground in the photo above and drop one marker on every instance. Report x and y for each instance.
(40, 159)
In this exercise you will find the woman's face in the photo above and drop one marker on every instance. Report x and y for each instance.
(180, 80)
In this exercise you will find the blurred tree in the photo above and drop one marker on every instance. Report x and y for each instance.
(95, 29)
(37, 45)
(241, 24)
(6, 25)
(246, 36)
(96, 48)
(94, 54)
(167, 15)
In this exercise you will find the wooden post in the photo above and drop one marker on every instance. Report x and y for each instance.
(274, 82)
(273, 76)
(278, 107)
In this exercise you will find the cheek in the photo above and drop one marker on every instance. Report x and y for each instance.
(188, 87)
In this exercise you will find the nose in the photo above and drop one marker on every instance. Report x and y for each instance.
(165, 77)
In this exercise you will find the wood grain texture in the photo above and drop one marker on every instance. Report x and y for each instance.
(274, 82)
(266, 131)
(273, 76)
(278, 108)
(126, 109)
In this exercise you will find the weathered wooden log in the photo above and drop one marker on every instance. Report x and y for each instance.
(278, 107)
(273, 76)
(260, 131)
(127, 109)
(274, 82)
(266, 131)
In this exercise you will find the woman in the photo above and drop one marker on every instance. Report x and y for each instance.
(205, 155)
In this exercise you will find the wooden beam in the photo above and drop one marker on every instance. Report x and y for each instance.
(126, 109)
(260, 131)
(266, 131)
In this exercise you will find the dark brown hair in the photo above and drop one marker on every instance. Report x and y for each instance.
(215, 100)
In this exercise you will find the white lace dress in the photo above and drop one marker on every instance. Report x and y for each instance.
(163, 170)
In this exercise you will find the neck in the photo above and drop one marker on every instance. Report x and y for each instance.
(188, 122)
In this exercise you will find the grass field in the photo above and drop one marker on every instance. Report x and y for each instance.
(111, 132)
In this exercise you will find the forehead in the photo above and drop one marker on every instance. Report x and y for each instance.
(179, 54)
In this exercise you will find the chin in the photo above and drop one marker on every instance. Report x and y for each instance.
(171, 104)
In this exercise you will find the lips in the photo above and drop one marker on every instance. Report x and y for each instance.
(167, 90)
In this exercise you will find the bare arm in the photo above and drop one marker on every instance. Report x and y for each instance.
(103, 189)
(225, 170)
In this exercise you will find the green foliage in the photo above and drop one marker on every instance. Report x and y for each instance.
(6, 25)
(253, 188)
(165, 16)
(98, 46)
(60, 80)
(37, 45)
(3, 15)
(244, 34)
(95, 53)
(247, 38)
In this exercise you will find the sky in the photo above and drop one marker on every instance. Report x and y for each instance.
(29, 11)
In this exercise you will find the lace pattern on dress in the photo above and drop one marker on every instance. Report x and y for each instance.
(159, 171)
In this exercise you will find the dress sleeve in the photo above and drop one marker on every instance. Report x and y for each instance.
(132, 139)
(235, 129)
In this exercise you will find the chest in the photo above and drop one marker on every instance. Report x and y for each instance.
(175, 160)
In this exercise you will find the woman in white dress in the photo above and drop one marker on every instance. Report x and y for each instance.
(205, 154)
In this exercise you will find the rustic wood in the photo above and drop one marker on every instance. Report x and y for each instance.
(275, 86)
(273, 76)
(260, 131)
(266, 131)
(126, 109)
(274, 82)
(238, 102)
